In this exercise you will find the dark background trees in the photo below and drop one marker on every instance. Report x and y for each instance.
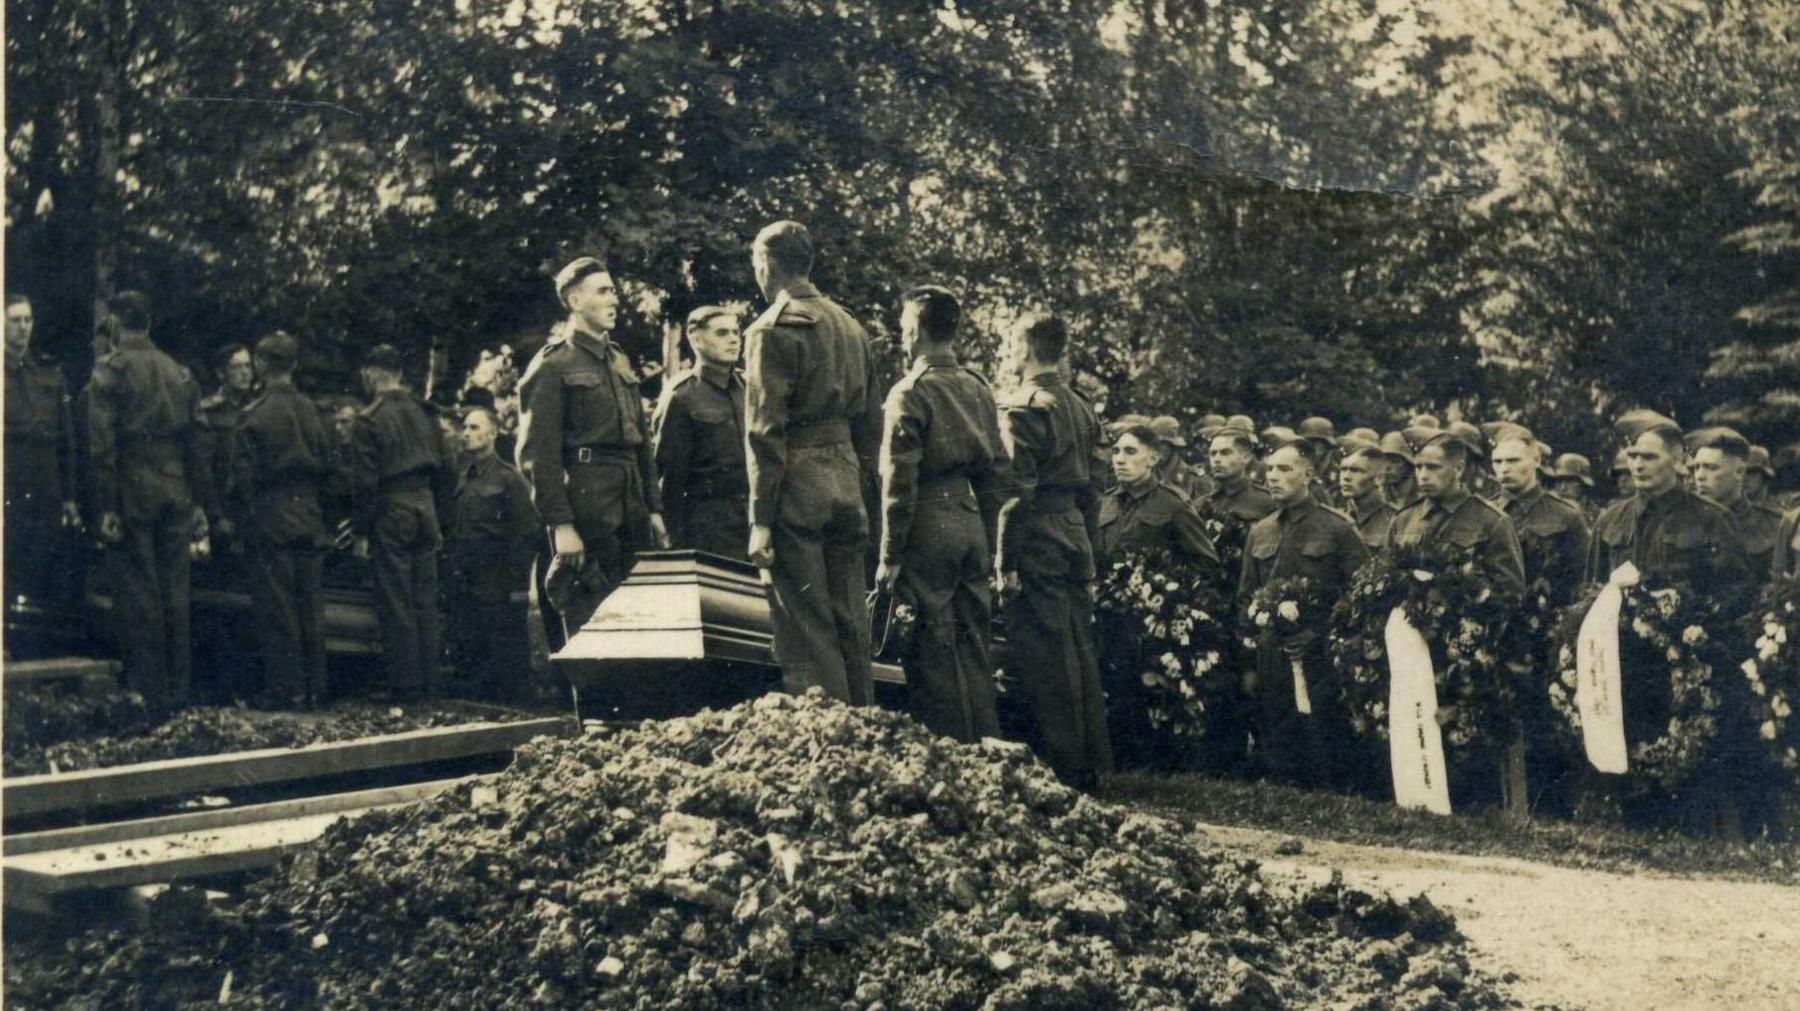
(1346, 207)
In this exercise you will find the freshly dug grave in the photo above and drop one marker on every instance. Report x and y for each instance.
(791, 854)
(58, 731)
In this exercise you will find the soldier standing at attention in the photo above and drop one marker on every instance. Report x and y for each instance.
(942, 462)
(1447, 511)
(700, 442)
(280, 458)
(584, 447)
(1173, 470)
(401, 477)
(220, 413)
(494, 537)
(1573, 479)
(1758, 472)
(813, 425)
(40, 464)
(1302, 539)
(1235, 502)
(1721, 462)
(154, 495)
(1359, 482)
(1046, 559)
(1398, 485)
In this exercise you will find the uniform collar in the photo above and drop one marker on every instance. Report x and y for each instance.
(135, 342)
(1226, 489)
(481, 463)
(1141, 490)
(1368, 503)
(600, 346)
(940, 358)
(1049, 379)
(1527, 500)
(396, 393)
(1453, 499)
(718, 375)
(270, 386)
(1297, 509)
(801, 289)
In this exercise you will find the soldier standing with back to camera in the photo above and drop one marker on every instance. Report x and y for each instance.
(402, 483)
(700, 442)
(279, 460)
(813, 425)
(942, 463)
(154, 494)
(1046, 558)
(584, 447)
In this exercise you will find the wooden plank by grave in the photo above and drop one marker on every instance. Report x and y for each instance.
(26, 843)
(86, 670)
(93, 788)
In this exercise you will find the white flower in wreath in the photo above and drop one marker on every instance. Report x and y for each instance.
(1781, 707)
(1290, 610)
(1212, 658)
(1693, 635)
(1767, 730)
(1674, 655)
(1151, 680)
(1767, 649)
(1642, 628)
(1171, 586)
(1262, 619)
(1187, 689)
(1750, 669)
(1771, 628)
(1423, 576)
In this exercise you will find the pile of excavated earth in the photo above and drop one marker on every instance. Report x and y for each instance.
(789, 853)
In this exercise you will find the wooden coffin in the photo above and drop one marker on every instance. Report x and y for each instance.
(684, 631)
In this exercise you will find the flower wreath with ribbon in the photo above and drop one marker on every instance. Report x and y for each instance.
(1463, 619)
(1671, 632)
(1182, 633)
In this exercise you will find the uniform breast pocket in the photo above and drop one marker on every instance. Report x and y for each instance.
(587, 405)
(1467, 538)
(1263, 548)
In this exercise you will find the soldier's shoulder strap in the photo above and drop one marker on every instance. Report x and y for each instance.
(907, 380)
(1030, 398)
(1178, 491)
(1715, 506)
(795, 312)
(684, 379)
(1492, 509)
(1331, 510)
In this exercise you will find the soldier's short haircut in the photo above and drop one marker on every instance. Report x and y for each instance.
(1373, 454)
(1455, 450)
(939, 313)
(16, 298)
(278, 350)
(788, 246)
(1046, 336)
(1241, 439)
(1144, 434)
(131, 309)
(223, 356)
(493, 416)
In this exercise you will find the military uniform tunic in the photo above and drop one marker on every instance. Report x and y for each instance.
(813, 427)
(494, 535)
(1229, 511)
(1760, 525)
(401, 477)
(942, 466)
(1310, 541)
(279, 461)
(584, 447)
(1471, 523)
(1553, 541)
(1372, 516)
(1047, 531)
(1152, 516)
(700, 455)
(40, 477)
(147, 469)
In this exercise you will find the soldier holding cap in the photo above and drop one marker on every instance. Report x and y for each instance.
(154, 494)
(1721, 459)
(279, 460)
(584, 447)
(943, 465)
(401, 482)
(700, 442)
(813, 424)
(1302, 539)
(1046, 557)
(1360, 474)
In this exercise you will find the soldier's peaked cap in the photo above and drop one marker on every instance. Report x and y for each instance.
(280, 348)
(1168, 429)
(1759, 460)
(1574, 465)
(1632, 425)
(1394, 444)
(1368, 435)
(1281, 437)
(1470, 436)
(1318, 428)
(1420, 436)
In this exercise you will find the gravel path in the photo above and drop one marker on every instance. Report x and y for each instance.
(1584, 939)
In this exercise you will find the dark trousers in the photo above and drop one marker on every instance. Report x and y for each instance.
(491, 646)
(289, 607)
(154, 566)
(614, 524)
(1048, 631)
(403, 553)
(1136, 742)
(949, 673)
(720, 526)
(817, 584)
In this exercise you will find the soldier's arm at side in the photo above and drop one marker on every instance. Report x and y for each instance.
(902, 446)
(103, 441)
(526, 531)
(674, 452)
(1352, 554)
(1574, 556)
(990, 482)
(1505, 560)
(365, 476)
(540, 452)
(1190, 535)
(769, 371)
(1731, 560)
(866, 428)
(1024, 432)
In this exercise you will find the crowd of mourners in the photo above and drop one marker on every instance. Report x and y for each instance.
(779, 445)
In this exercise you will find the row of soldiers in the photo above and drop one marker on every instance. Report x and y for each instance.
(158, 475)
